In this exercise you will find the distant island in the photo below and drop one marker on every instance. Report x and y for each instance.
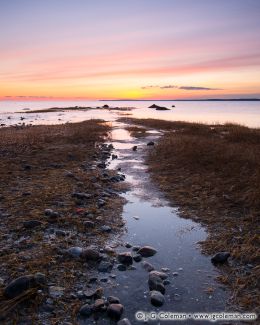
(183, 100)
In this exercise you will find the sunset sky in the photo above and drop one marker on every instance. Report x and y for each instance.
(136, 49)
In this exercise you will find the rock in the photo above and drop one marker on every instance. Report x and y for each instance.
(121, 267)
(134, 148)
(124, 321)
(89, 224)
(151, 143)
(166, 282)
(99, 304)
(128, 245)
(147, 251)
(125, 258)
(114, 156)
(53, 215)
(156, 283)
(113, 300)
(137, 258)
(105, 228)
(96, 293)
(115, 311)
(220, 257)
(105, 106)
(60, 233)
(29, 224)
(74, 251)
(86, 310)
(165, 269)
(136, 248)
(81, 196)
(56, 292)
(157, 299)
(90, 254)
(23, 283)
(105, 266)
(109, 250)
(161, 275)
(147, 266)
(103, 279)
(175, 273)
(159, 108)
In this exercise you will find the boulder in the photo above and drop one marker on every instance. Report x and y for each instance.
(86, 310)
(23, 283)
(113, 300)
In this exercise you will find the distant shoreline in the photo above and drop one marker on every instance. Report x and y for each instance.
(183, 100)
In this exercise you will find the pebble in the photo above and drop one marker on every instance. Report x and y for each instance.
(105, 266)
(121, 267)
(147, 251)
(147, 266)
(157, 299)
(86, 310)
(29, 224)
(220, 257)
(113, 300)
(125, 258)
(74, 251)
(175, 273)
(56, 292)
(124, 321)
(105, 229)
(137, 257)
(115, 311)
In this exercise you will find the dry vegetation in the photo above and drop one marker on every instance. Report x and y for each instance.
(213, 174)
(40, 168)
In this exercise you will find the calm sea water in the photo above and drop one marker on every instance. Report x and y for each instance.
(244, 112)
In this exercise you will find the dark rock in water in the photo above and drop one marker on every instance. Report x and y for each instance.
(166, 282)
(27, 167)
(137, 258)
(125, 258)
(113, 300)
(128, 245)
(90, 254)
(159, 108)
(134, 148)
(101, 165)
(173, 105)
(136, 248)
(115, 311)
(60, 233)
(124, 321)
(23, 283)
(32, 224)
(86, 310)
(114, 156)
(156, 283)
(162, 275)
(121, 267)
(105, 266)
(105, 106)
(220, 257)
(151, 143)
(147, 251)
(105, 229)
(157, 299)
(147, 266)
